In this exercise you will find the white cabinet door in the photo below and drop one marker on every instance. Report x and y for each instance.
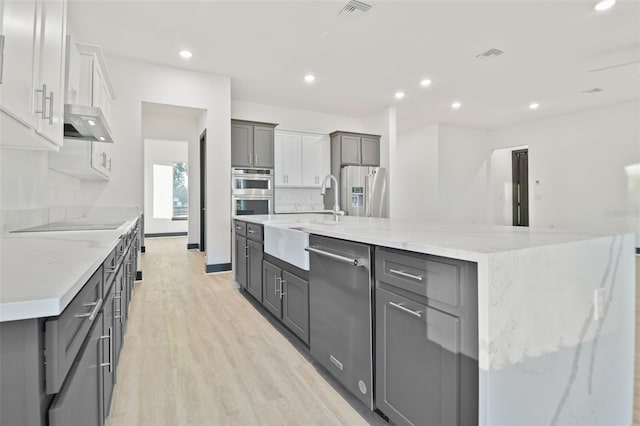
(315, 159)
(288, 159)
(51, 68)
(18, 20)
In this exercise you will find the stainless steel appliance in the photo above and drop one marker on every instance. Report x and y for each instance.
(251, 191)
(340, 294)
(362, 190)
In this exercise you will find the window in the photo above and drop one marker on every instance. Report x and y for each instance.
(180, 191)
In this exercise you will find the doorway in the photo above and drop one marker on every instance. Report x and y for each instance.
(520, 186)
(203, 181)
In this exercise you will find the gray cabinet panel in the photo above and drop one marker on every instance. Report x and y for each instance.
(254, 276)
(118, 306)
(254, 231)
(271, 288)
(65, 333)
(263, 141)
(240, 227)
(350, 149)
(417, 362)
(241, 261)
(241, 145)
(79, 401)
(108, 351)
(295, 306)
(370, 149)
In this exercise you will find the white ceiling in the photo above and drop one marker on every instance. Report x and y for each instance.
(267, 47)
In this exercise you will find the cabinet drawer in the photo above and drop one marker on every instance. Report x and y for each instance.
(434, 277)
(240, 227)
(254, 232)
(65, 334)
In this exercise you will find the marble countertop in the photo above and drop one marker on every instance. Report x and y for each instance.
(41, 272)
(461, 241)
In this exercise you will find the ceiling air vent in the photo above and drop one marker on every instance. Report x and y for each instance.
(354, 8)
(489, 53)
(592, 91)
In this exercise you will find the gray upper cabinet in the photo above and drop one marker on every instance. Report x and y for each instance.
(295, 306)
(354, 149)
(370, 147)
(254, 268)
(417, 362)
(252, 144)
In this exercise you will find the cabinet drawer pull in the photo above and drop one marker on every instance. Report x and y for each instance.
(251, 231)
(110, 363)
(407, 310)
(406, 275)
(92, 315)
(237, 228)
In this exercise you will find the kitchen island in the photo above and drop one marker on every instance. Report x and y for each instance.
(555, 313)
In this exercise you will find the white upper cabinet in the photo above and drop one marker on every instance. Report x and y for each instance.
(316, 152)
(86, 160)
(32, 65)
(302, 159)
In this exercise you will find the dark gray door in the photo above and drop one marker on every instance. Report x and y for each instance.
(520, 178)
(254, 276)
(295, 305)
(203, 186)
(108, 371)
(241, 145)
(79, 402)
(241, 261)
(370, 151)
(271, 288)
(263, 138)
(417, 362)
(350, 149)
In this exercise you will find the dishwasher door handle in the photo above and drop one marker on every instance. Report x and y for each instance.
(343, 259)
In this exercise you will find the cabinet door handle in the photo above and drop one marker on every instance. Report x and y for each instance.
(407, 310)
(282, 282)
(1, 56)
(109, 168)
(50, 108)
(42, 112)
(406, 275)
(92, 315)
(255, 158)
(110, 363)
(246, 251)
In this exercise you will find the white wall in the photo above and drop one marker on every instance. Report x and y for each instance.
(158, 125)
(579, 162)
(295, 119)
(584, 171)
(415, 184)
(136, 82)
(164, 153)
(383, 123)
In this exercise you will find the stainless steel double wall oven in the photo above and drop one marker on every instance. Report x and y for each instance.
(251, 191)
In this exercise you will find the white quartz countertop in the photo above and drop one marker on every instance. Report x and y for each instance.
(461, 241)
(41, 272)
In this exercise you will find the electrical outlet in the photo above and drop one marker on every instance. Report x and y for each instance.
(598, 304)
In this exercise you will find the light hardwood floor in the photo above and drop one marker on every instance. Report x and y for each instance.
(197, 353)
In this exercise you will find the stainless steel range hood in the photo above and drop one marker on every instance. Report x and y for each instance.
(86, 123)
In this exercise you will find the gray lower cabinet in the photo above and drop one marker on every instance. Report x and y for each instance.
(271, 288)
(108, 351)
(286, 296)
(295, 305)
(241, 260)
(79, 402)
(417, 362)
(254, 269)
(118, 303)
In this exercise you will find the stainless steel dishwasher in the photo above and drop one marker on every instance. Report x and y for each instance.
(340, 293)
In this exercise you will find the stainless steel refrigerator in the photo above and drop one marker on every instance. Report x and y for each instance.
(363, 191)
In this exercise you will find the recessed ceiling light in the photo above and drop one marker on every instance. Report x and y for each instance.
(91, 122)
(425, 83)
(604, 5)
(101, 138)
(456, 105)
(399, 95)
(534, 105)
(186, 54)
(309, 78)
